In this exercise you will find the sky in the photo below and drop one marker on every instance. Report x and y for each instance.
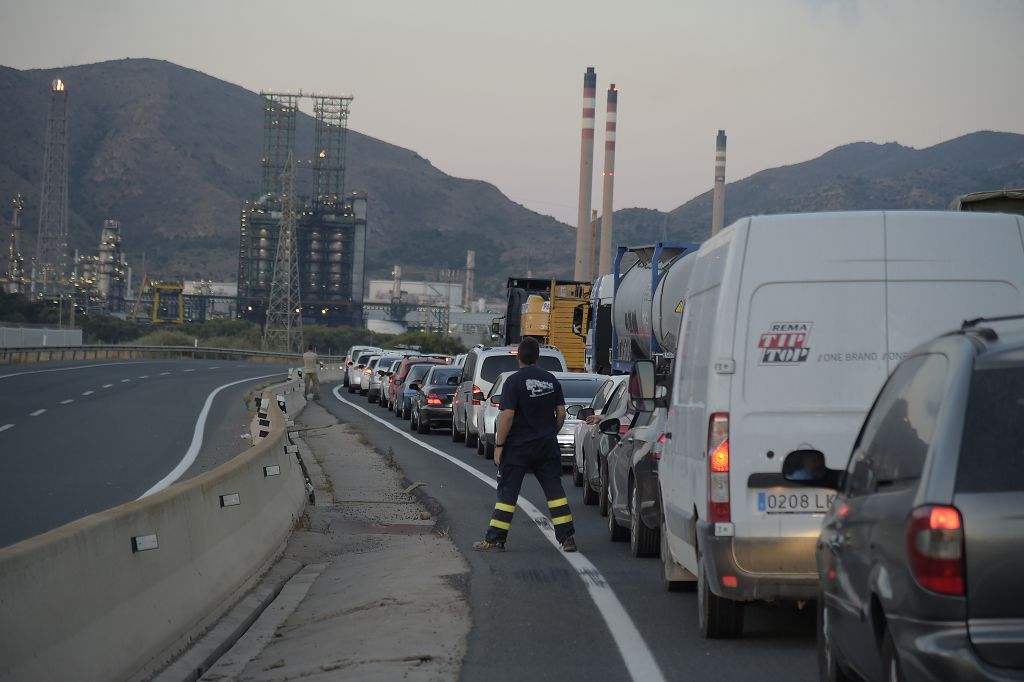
(493, 91)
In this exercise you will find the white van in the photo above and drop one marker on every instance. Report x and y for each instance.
(791, 325)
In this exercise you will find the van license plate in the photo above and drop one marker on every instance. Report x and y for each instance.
(790, 501)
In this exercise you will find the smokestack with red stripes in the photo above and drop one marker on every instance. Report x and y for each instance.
(582, 268)
(605, 267)
(718, 196)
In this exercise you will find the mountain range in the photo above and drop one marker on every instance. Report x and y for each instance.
(173, 153)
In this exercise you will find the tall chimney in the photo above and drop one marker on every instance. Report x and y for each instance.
(582, 269)
(593, 264)
(718, 196)
(467, 291)
(605, 266)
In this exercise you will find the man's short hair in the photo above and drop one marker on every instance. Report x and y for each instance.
(529, 351)
(310, 346)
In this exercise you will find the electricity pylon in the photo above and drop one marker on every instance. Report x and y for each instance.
(283, 331)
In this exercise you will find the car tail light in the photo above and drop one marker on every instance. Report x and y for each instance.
(433, 400)
(718, 468)
(367, 371)
(935, 548)
(623, 428)
(657, 447)
(478, 395)
(349, 362)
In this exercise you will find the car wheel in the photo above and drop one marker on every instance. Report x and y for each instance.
(577, 475)
(829, 667)
(589, 494)
(351, 388)
(471, 438)
(616, 533)
(456, 436)
(480, 446)
(488, 450)
(422, 426)
(892, 671)
(602, 494)
(412, 422)
(643, 542)
(406, 412)
(717, 618)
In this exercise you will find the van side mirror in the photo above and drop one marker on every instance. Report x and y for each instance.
(641, 380)
(609, 427)
(808, 466)
(496, 327)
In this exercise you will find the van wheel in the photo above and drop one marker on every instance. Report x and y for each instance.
(717, 617)
(589, 494)
(668, 567)
(602, 494)
(577, 475)
(643, 542)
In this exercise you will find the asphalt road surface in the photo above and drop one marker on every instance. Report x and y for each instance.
(599, 614)
(78, 438)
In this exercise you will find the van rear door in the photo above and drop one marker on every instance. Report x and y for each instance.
(946, 267)
(810, 356)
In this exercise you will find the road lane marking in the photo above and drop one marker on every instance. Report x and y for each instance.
(197, 437)
(107, 385)
(634, 650)
(64, 369)
(125, 381)
(6, 426)
(37, 412)
(188, 370)
(144, 376)
(87, 393)
(163, 374)
(215, 367)
(65, 402)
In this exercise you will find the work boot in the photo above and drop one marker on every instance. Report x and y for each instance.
(487, 546)
(569, 544)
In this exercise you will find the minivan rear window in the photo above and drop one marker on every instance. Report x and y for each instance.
(992, 448)
(496, 364)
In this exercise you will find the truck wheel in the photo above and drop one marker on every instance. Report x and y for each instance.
(717, 617)
(643, 542)
(589, 494)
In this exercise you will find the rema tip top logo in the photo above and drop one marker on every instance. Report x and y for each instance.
(785, 343)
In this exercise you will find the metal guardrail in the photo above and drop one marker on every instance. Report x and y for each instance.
(21, 355)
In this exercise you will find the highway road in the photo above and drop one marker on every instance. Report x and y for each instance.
(598, 614)
(78, 438)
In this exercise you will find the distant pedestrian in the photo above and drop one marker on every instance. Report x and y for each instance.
(310, 364)
(532, 413)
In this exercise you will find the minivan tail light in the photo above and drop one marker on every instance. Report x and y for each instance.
(478, 395)
(935, 549)
(719, 509)
(657, 447)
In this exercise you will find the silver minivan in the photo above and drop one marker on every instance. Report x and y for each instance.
(483, 365)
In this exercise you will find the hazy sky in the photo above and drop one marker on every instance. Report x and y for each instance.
(493, 90)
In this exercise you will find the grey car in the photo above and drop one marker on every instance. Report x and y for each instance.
(921, 557)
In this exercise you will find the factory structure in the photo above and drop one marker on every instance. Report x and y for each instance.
(330, 225)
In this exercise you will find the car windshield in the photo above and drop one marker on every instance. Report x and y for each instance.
(496, 364)
(580, 390)
(417, 372)
(440, 377)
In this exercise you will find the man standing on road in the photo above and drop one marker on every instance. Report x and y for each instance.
(310, 365)
(532, 412)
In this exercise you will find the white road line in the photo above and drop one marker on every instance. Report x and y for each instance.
(144, 376)
(634, 650)
(37, 412)
(215, 367)
(65, 402)
(188, 370)
(87, 393)
(125, 381)
(197, 437)
(63, 369)
(163, 374)
(107, 385)
(6, 426)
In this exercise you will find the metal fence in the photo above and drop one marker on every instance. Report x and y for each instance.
(26, 354)
(11, 337)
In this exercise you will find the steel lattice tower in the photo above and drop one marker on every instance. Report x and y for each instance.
(52, 244)
(329, 163)
(283, 331)
(279, 114)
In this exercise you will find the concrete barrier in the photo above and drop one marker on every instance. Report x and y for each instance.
(115, 595)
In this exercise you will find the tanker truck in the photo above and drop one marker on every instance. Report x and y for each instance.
(641, 316)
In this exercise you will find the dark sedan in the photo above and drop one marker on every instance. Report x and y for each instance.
(920, 557)
(431, 404)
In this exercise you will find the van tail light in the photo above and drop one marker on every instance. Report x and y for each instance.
(478, 395)
(433, 400)
(935, 548)
(657, 447)
(718, 468)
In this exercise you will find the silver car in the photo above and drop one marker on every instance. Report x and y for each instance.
(364, 377)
